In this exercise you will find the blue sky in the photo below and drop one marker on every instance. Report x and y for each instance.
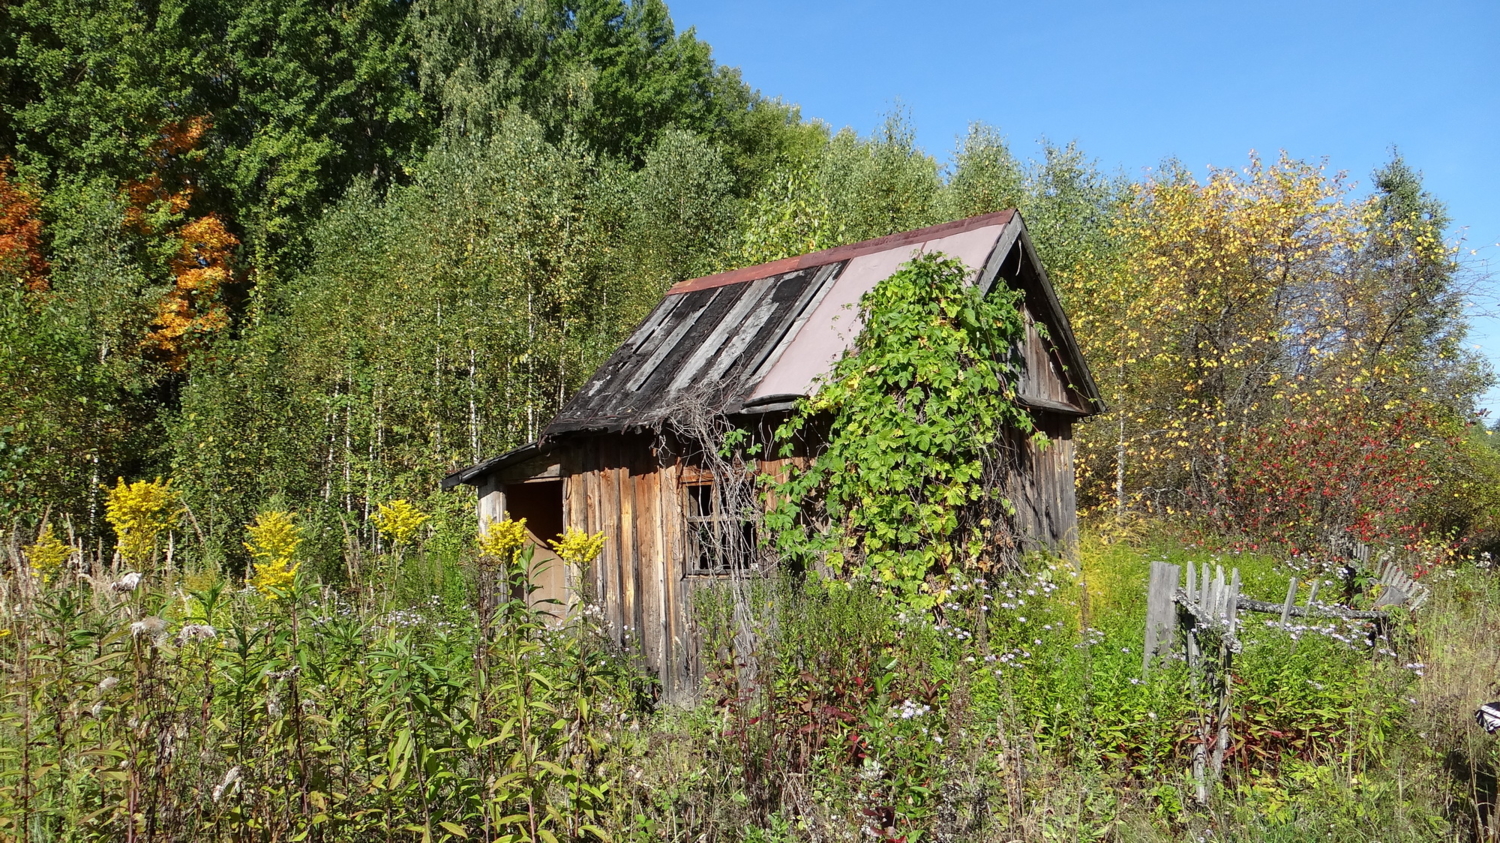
(1134, 83)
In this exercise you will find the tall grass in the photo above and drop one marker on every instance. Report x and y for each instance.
(189, 708)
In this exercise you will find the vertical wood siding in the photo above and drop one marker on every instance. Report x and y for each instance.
(1041, 486)
(615, 484)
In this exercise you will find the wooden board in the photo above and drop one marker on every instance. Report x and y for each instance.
(697, 343)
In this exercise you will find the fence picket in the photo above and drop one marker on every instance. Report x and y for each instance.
(1160, 600)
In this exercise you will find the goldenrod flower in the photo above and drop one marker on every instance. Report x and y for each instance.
(139, 512)
(502, 538)
(274, 539)
(577, 547)
(273, 579)
(398, 520)
(49, 553)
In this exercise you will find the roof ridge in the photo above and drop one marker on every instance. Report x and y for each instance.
(840, 253)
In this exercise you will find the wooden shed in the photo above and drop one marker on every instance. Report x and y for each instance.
(744, 346)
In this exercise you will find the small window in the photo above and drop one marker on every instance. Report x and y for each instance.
(720, 539)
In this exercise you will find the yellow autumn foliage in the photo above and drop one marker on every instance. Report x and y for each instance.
(1230, 304)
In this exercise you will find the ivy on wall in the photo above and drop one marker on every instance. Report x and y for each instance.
(902, 489)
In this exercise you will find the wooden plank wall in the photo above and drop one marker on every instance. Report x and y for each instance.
(1042, 487)
(614, 485)
(1041, 378)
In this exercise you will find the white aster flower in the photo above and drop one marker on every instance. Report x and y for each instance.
(127, 583)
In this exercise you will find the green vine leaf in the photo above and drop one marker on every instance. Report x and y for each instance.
(914, 414)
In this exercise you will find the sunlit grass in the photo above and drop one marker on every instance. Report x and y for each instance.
(191, 707)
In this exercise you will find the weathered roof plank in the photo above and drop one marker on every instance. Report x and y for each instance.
(761, 336)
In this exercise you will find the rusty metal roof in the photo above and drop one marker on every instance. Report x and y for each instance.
(756, 339)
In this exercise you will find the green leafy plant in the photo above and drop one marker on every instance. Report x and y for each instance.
(914, 417)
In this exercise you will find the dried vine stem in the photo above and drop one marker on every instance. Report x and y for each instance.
(721, 507)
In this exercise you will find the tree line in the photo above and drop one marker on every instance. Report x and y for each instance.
(310, 256)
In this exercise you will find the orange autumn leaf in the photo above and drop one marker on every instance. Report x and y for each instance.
(175, 140)
(20, 233)
(192, 309)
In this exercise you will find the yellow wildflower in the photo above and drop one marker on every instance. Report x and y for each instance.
(274, 539)
(577, 547)
(139, 512)
(398, 520)
(49, 553)
(273, 580)
(502, 538)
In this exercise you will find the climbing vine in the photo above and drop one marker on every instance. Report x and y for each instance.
(912, 432)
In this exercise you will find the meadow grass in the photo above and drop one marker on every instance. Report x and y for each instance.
(192, 708)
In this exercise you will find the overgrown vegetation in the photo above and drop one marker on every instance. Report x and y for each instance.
(177, 706)
(300, 260)
(915, 433)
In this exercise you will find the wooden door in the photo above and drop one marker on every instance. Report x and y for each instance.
(540, 503)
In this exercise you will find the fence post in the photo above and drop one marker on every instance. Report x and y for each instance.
(1230, 608)
(1198, 670)
(1161, 615)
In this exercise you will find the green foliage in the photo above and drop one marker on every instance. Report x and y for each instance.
(880, 186)
(77, 402)
(302, 98)
(790, 215)
(927, 397)
(681, 215)
(985, 176)
(615, 74)
(405, 349)
(201, 718)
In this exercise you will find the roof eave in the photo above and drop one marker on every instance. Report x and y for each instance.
(1078, 368)
(476, 473)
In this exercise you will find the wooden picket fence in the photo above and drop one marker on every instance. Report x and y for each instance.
(1204, 614)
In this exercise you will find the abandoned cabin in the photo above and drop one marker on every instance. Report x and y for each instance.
(739, 349)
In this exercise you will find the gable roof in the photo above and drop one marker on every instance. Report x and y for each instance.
(756, 339)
